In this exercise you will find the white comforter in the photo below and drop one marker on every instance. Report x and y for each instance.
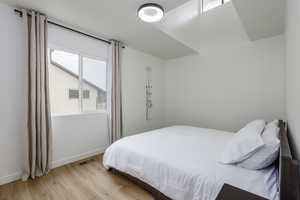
(182, 162)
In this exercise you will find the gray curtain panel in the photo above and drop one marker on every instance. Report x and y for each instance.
(38, 151)
(114, 92)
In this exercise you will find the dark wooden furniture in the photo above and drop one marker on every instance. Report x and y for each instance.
(230, 192)
(288, 168)
(288, 176)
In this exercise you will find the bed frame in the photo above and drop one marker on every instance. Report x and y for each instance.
(288, 172)
(288, 168)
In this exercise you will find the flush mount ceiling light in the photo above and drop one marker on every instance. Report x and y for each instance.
(150, 12)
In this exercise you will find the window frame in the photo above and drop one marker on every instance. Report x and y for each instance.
(202, 5)
(80, 55)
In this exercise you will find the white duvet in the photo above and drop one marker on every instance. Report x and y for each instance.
(182, 163)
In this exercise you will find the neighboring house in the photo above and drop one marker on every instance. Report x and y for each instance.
(65, 99)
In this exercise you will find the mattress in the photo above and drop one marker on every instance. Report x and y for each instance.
(182, 163)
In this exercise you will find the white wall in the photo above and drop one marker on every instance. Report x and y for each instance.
(293, 71)
(78, 136)
(134, 95)
(74, 136)
(226, 91)
(12, 105)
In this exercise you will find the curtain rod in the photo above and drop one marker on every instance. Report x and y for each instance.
(70, 29)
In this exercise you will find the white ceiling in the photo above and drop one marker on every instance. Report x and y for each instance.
(261, 18)
(231, 25)
(112, 19)
(211, 31)
(183, 31)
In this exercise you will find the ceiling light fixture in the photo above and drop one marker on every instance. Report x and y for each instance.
(151, 12)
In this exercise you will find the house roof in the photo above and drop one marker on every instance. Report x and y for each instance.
(61, 67)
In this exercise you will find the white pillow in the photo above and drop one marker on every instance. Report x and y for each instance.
(265, 156)
(273, 123)
(244, 143)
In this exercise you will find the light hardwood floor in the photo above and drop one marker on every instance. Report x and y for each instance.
(88, 181)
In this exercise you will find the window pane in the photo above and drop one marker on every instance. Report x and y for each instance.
(94, 84)
(210, 4)
(64, 82)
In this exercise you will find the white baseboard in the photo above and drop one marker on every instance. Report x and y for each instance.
(10, 178)
(57, 163)
(75, 158)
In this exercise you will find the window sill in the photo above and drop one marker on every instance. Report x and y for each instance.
(79, 114)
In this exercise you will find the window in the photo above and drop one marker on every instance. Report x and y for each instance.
(86, 94)
(210, 4)
(77, 83)
(93, 76)
(74, 94)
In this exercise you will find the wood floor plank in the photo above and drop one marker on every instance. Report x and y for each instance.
(89, 181)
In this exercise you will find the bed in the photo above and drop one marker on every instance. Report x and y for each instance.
(181, 162)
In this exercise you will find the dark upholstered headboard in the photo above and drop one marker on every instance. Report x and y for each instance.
(288, 168)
